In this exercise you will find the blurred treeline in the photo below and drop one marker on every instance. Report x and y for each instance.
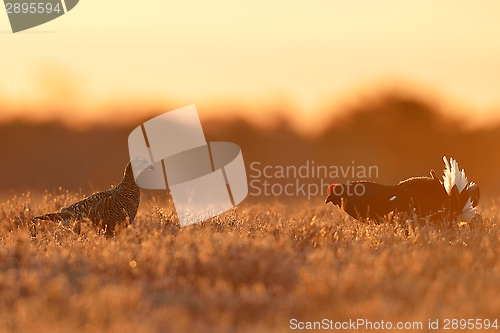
(402, 136)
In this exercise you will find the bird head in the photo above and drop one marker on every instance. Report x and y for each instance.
(140, 164)
(331, 195)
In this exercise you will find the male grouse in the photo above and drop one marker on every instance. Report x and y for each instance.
(453, 198)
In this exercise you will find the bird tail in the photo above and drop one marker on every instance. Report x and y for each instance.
(453, 176)
(464, 195)
(62, 216)
(54, 217)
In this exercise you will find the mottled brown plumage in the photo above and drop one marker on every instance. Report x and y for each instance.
(106, 209)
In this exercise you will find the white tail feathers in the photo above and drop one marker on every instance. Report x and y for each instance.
(453, 176)
(468, 212)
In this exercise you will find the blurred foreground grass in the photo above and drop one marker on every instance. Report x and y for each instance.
(249, 270)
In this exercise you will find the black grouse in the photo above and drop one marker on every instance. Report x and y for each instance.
(108, 208)
(453, 198)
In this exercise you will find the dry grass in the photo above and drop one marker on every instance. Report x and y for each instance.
(249, 270)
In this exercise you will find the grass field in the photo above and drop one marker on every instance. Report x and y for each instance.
(253, 269)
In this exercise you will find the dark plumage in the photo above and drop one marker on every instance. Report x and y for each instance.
(108, 208)
(453, 198)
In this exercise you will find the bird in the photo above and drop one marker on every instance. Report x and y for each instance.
(452, 198)
(108, 208)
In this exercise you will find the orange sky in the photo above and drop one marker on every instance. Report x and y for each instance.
(250, 57)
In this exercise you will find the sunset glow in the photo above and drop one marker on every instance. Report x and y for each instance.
(298, 59)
